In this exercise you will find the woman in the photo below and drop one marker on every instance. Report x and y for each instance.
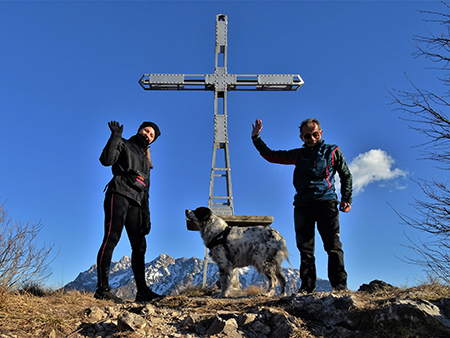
(126, 203)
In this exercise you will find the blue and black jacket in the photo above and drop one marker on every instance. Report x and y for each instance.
(315, 169)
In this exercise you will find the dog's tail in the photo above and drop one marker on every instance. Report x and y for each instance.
(286, 257)
(284, 254)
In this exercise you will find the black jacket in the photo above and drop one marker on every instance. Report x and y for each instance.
(129, 161)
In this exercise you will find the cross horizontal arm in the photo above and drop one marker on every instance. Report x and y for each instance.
(220, 80)
(174, 82)
(267, 82)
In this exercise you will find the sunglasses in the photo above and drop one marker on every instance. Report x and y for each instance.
(316, 135)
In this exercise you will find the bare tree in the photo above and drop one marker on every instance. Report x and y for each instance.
(22, 262)
(427, 114)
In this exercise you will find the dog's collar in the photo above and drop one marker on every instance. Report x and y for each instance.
(220, 238)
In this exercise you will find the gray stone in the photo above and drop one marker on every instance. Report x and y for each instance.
(128, 321)
(412, 310)
(95, 314)
(260, 328)
(217, 326)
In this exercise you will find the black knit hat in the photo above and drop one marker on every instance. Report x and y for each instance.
(153, 125)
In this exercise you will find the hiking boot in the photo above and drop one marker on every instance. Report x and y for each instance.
(105, 293)
(340, 288)
(306, 291)
(146, 295)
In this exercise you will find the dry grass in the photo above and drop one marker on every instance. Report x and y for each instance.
(24, 314)
(254, 290)
(194, 291)
(199, 291)
(431, 291)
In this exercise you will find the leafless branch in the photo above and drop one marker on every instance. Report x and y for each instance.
(426, 113)
(22, 262)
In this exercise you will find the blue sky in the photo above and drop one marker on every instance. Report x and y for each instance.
(68, 67)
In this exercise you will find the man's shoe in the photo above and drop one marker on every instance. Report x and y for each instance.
(146, 295)
(106, 294)
(340, 288)
(306, 291)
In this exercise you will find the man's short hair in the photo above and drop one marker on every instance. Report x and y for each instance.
(309, 121)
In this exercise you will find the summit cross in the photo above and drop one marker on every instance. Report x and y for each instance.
(221, 82)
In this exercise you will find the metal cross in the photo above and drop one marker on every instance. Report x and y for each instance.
(220, 82)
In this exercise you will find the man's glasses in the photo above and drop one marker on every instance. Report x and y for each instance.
(316, 135)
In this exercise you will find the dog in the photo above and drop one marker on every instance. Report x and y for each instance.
(234, 247)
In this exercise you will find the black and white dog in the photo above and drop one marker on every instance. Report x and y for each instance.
(234, 247)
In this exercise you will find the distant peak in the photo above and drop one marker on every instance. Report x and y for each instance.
(124, 260)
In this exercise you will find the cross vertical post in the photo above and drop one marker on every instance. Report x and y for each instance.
(220, 205)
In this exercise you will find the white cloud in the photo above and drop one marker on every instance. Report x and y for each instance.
(372, 166)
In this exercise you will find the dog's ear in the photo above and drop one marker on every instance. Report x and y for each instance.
(202, 213)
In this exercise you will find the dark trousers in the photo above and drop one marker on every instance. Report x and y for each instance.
(326, 215)
(119, 212)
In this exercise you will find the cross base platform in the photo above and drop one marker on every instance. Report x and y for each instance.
(237, 220)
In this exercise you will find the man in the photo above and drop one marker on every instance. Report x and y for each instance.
(315, 201)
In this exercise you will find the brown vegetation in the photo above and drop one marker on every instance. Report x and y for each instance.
(22, 261)
(75, 314)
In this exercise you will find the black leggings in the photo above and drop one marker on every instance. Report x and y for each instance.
(120, 211)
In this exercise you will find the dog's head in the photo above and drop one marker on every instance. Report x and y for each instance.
(199, 215)
(208, 223)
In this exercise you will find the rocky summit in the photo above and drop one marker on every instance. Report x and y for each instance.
(166, 276)
(377, 309)
(382, 312)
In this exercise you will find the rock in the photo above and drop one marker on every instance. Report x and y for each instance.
(231, 328)
(95, 314)
(217, 326)
(329, 309)
(193, 323)
(260, 329)
(321, 314)
(374, 286)
(282, 325)
(188, 322)
(245, 318)
(412, 311)
(128, 321)
(444, 304)
(148, 310)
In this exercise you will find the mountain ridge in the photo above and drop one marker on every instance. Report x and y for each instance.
(167, 275)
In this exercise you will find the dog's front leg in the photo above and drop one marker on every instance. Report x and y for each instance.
(225, 281)
(271, 287)
(270, 271)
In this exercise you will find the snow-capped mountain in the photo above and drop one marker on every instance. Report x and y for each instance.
(165, 275)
